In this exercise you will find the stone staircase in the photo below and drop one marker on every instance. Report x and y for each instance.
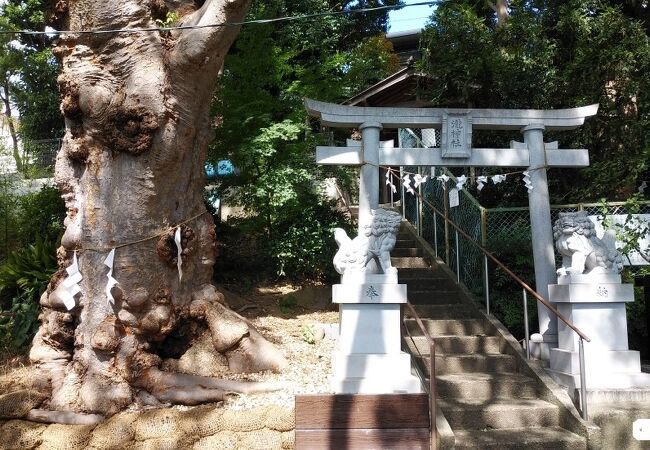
(489, 395)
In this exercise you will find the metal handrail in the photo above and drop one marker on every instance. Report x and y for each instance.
(487, 254)
(510, 273)
(432, 371)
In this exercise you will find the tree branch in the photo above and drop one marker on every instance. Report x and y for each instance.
(194, 45)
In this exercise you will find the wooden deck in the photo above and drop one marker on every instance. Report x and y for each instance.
(356, 421)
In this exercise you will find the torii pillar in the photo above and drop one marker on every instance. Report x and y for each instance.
(369, 183)
(541, 229)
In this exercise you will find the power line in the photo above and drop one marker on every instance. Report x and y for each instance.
(52, 33)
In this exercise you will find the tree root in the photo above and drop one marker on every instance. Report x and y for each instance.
(63, 417)
(187, 389)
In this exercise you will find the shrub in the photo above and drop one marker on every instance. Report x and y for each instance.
(40, 214)
(23, 278)
(304, 246)
(300, 246)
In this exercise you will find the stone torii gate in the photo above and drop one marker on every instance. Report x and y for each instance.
(456, 150)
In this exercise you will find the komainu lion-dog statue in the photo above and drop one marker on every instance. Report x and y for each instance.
(376, 243)
(581, 249)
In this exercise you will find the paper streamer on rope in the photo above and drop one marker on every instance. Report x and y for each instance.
(389, 181)
(444, 178)
(71, 283)
(108, 262)
(642, 187)
(179, 249)
(460, 182)
(496, 179)
(419, 179)
(407, 184)
(481, 180)
(527, 182)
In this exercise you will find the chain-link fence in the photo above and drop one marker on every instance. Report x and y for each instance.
(39, 157)
(513, 224)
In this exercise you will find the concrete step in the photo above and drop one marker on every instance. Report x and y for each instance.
(458, 364)
(405, 252)
(472, 414)
(405, 243)
(420, 274)
(465, 327)
(405, 236)
(549, 438)
(447, 345)
(457, 311)
(409, 262)
(433, 297)
(621, 395)
(480, 385)
(430, 285)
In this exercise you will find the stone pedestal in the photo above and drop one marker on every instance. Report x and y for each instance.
(595, 304)
(367, 358)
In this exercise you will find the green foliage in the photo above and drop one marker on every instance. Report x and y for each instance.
(41, 214)
(171, 19)
(551, 55)
(28, 70)
(36, 95)
(304, 245)
(631, 233)
(301, 247)
(8, 215)
(264, 130)
(25, 218)
(23, 278)
(637, 326)
(31, 226)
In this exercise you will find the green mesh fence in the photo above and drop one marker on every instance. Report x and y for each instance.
(39, 156)
(513, 224)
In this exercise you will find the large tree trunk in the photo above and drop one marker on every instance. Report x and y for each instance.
(130, 170)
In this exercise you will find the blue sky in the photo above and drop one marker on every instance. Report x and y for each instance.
(410, 18)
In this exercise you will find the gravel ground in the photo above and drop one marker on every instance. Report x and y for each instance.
(309, 366)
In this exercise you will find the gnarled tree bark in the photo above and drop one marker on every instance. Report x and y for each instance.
(136, 107)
